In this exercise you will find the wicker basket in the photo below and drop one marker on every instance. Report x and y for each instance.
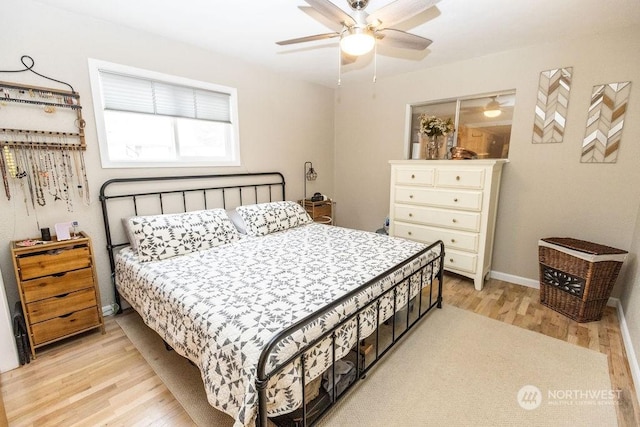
(576, 277)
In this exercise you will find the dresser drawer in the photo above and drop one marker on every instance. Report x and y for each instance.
(49, 308)
(451, 238)
(460, 261)
(422, 176)
(51, 262)
(458, 220)
(62, 326)
(60, 283)
(467, 178)
(452, 199)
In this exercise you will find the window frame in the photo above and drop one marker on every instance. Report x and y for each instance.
(413, 112)
(95, 66)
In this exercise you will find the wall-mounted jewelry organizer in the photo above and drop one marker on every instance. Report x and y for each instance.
(47, 101)
(42, 138)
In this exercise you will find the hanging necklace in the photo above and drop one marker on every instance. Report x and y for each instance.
(3, 170)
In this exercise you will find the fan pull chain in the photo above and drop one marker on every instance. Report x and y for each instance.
(375, 61)
(339, 66)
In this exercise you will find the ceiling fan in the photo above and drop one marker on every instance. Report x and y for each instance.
(360, 31)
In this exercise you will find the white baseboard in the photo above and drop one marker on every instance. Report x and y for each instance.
(634, 363)
(518, 280)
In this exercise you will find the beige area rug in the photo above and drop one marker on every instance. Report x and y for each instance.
(456, 368)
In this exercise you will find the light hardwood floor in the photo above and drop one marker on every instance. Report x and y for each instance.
(103, 380)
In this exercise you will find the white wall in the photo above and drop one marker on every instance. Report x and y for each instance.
(546, 191)
(283, 122)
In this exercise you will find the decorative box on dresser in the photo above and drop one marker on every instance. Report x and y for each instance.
(58, 289)
(450, 200)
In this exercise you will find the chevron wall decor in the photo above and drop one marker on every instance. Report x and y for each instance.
(551, 108)
(605, 122)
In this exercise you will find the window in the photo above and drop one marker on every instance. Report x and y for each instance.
(482, 123)
(149, 119)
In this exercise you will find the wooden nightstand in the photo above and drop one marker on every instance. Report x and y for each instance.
(58, 289)
(321, 211)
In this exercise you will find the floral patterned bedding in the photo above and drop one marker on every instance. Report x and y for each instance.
(220, 307)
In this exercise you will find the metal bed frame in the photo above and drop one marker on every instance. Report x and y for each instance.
(266, 187)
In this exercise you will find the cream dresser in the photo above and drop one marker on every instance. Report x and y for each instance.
(450, 200)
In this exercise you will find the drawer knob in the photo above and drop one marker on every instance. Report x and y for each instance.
(413, 176)
(458, 178)
(453, 240)
(451, 260)
(409, 233)
(455, 200)
(454, 220)
(411, 196)
(410, 215)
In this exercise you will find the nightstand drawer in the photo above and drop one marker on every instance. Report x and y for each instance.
(60, 283)
(55, 261)
(466, 200)
(451, 239)
(458, 220)
(469, 178)
(67, 325)
(422, 176)
(58, 306)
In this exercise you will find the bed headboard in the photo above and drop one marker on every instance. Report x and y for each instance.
(126, 197)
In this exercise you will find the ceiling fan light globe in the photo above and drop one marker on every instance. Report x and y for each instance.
(357, 43)
(492, 109)
(492, 113)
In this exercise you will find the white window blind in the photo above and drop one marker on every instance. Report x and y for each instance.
(140, 95)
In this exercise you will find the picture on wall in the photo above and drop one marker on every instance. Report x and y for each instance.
(605, 122)
(551, 108)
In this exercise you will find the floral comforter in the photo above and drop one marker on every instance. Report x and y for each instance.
(220, 307)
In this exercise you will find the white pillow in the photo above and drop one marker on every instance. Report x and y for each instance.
(266, 218)
(130, 237)
(236, 219)
(164, 236)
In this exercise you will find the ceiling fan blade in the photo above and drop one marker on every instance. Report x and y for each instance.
(329, 23)
(331, 11)
(398, 38)
(398, 11)
(308, 38)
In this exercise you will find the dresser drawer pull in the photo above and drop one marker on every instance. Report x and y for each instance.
(413, 176)
(409, 233)
(65, 315)
(59, 274)
(454, 220)
(458, 178)
(453, 240)
(451, 260)
(62, 295)
(411, 196)
(410, 215)
(455, 200)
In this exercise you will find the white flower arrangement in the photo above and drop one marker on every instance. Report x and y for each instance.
(435, 126)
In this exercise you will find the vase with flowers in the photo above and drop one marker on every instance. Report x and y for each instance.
(432, 132)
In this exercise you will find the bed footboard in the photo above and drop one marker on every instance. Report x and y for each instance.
(368, 350)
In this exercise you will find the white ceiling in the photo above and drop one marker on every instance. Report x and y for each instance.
(460, 29)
